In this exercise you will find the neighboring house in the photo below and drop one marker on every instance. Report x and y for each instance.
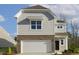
(5, 39)
(38, 30)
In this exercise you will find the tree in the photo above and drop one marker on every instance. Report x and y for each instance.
(15, 38)
(75, 28)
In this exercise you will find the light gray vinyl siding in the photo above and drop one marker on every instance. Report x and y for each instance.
(24, 26)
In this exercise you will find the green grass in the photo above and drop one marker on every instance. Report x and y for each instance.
(5, 49)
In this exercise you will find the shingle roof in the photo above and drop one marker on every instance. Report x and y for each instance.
(36, 7)
(46, 13)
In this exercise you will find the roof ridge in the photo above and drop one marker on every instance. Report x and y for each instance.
(36, 7)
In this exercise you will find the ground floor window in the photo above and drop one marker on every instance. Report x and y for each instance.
(61, 42)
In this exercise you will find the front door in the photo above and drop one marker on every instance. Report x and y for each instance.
(56, 45)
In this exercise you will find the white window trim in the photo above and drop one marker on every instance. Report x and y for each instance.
(36, 25)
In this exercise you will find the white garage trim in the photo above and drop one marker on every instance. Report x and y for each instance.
(36, 46)
(21, 46)
(67, 43)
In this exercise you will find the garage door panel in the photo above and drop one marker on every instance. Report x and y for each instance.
(36, 45)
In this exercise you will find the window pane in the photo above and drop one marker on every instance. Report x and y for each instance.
(38, 27)
(33, 24)
(33, 27)
(57, 26)
(60, 26)
(38, 24)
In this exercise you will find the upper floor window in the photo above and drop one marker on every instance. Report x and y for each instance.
(38, 24)
(35, 24)
(59, 26)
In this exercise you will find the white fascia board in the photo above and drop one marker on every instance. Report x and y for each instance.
(18, 14)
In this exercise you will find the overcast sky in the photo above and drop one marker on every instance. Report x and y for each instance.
(7, 12)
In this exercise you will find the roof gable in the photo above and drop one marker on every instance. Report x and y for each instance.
(37, 9)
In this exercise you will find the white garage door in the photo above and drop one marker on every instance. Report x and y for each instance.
(35, 46)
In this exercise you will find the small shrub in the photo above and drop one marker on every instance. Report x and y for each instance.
(71, 50)
(76, 50)
(65, 52)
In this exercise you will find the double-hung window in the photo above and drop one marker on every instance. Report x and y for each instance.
(35, 24)
(38, 24)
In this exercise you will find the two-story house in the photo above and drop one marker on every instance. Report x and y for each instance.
(38, 30)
